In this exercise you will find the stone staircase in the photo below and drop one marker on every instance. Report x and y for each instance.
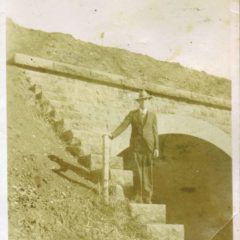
(151, 216)
(85, 146)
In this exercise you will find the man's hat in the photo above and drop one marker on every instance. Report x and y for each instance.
(143, 95)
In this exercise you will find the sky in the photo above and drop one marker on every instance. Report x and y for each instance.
(195, 33)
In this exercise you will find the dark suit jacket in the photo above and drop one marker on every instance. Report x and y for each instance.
(146, 129)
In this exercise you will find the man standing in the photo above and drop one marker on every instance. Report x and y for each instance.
(143, 146)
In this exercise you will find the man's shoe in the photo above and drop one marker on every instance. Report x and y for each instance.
(147, 201)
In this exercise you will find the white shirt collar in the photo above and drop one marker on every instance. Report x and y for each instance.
(144, 111)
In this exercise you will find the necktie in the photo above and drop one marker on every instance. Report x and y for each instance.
(142, 115)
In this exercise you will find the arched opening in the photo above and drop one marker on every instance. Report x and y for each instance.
(194, 179)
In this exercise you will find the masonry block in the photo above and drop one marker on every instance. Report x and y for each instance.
(116, 162)
(51, 112)
(148, 213)
(67, 136)
(75, 141)
(97, 162)
(91, 142)
(96, 176)
(36, 88)
(45, 105)
(166, 231)
(121, 177)
(38, 95)
(32, 87)
(73, 150)
(58, 126)
(85, 160)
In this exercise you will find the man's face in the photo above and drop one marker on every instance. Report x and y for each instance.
(143, 103)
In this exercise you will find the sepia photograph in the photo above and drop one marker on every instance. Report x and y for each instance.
(122, 120)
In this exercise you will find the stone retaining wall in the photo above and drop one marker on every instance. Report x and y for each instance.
(97, 109)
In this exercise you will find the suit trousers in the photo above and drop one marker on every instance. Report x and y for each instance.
(143, 174)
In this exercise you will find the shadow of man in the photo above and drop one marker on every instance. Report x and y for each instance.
(65, 166)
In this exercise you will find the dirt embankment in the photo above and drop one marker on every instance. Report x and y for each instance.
(64, 48)
(44, 203)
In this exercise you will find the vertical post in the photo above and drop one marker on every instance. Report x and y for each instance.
(105, 179)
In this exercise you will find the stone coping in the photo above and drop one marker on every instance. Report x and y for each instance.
(101, 77)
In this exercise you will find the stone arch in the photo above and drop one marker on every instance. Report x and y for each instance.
(179, 124)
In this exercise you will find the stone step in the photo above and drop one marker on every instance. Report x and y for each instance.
(116, 162)
(148, 213)
(91, 142)
(95, 162)
(122, 177)
(166, 231)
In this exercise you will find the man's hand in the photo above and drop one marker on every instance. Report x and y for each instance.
(109, 135)
(156, 153)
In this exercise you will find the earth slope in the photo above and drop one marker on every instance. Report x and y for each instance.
(64, 48)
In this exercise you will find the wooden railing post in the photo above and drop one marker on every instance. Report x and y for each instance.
(106, 158)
